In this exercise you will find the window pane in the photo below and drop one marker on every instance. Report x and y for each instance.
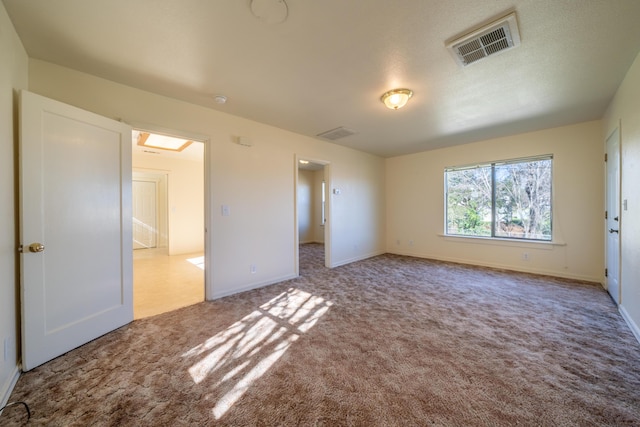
(523, 200)
(469, 201)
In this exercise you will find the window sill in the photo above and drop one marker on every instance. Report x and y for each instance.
(538, 244)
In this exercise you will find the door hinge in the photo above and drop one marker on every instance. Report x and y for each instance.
(606, 272)
(606, 215)
(605, 157)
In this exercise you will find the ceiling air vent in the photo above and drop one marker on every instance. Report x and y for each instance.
(337, 133)
(498, 36)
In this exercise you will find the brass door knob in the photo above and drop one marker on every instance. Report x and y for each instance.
(36, 247)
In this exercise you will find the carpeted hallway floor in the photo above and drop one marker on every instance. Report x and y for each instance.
(387, 341)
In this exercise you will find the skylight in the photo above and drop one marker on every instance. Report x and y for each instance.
(162, 142)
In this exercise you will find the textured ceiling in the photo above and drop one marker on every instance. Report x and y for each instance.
(328, 63)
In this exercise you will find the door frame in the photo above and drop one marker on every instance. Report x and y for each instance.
(327, 209)
(617, 130)
(206, 158)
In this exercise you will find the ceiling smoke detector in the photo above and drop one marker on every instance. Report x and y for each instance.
(270, 11)
(490, 39)
(220, 99)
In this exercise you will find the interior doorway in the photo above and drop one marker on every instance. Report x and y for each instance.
(312, 211)
(168, 222)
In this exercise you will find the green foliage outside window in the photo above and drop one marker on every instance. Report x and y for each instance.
(510, 199)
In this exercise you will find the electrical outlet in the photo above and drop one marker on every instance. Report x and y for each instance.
(525, 256)
(410, 242)
(253, 269)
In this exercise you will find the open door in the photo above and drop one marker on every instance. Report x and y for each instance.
(613, 216)
(75, 227)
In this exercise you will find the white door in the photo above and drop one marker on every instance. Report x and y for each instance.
(613, 216)
(145, 227)
(75, 228)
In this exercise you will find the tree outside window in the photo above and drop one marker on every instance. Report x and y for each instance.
(507, 199)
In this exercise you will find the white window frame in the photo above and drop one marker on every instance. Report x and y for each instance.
(493, 166)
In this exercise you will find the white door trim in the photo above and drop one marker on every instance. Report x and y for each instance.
(208, 152)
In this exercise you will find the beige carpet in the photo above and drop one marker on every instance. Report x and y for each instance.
(382, 342)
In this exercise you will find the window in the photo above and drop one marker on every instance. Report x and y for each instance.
(506, 199)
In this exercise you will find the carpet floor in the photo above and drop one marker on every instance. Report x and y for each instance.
(387, 341)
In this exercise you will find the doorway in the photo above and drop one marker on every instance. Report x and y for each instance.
(168, 222)
(312, 214)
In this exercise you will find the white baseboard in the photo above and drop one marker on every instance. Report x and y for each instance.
(358, 258)
(7, 387)
(226, 293)
(539, 271)
(632, 325)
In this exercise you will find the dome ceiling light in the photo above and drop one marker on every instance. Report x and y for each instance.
(396, 98)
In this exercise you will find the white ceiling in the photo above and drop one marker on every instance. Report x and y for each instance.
(328, 63)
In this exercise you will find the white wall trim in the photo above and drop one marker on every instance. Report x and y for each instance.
(9, 385)
(358, 258)
(520, 243)
(217, 295)
(632, 325)
(538, 271)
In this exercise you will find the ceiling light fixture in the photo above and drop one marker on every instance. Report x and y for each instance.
(304, 162)
(220, 99)
(396, 98)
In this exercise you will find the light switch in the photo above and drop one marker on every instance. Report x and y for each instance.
(225, 210)
(336, 191)
(624, 204)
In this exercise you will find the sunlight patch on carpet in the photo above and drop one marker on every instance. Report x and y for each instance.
(244, 352)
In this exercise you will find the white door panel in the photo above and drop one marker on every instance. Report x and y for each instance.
(613, 216)
(75, 177)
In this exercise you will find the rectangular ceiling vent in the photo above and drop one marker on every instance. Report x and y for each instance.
(498, 36)
(337, 133)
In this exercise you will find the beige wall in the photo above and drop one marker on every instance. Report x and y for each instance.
(257, 182)
(624, 111)
(13, 77)
(415, 208)
(186, 199)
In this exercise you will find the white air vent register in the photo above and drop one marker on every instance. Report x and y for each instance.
(498, 36)
(337, 133)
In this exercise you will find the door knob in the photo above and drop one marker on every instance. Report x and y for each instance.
(36, 247)
(611, 230)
